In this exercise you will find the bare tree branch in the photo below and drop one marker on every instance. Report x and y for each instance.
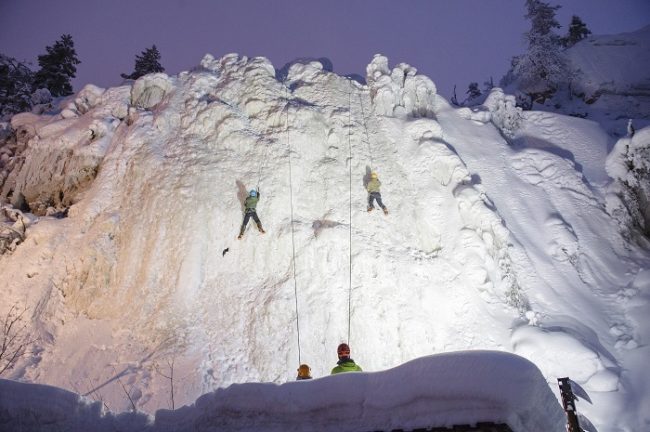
(15, 338)
(170, 376)
(124, 388)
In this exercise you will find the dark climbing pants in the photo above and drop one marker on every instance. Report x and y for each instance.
(247, 217)
(375, 196)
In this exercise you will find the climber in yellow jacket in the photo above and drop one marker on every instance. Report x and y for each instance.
(373, 193)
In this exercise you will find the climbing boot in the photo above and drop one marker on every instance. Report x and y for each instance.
(385, 210)
(370, 209)
(259, 227)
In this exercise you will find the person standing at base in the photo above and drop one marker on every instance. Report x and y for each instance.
(304, 372)
(345, 363)
(373, 193)
(250, 212)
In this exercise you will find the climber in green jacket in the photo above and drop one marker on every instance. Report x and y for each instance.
(345, 363)
(373, 193)
(250, 212)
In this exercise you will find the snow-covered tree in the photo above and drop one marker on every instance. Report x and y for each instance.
(488, 85)
(539, 71)
(475, 96)
(58, 66)
(146, 63)
(505, 114)
(577, 31)
(628, 197)
(15, 86)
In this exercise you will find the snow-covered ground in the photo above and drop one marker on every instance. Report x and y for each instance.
(489, 243)
(612, 77)
(443, 390)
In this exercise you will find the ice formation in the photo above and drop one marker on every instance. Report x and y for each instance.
(487, 245)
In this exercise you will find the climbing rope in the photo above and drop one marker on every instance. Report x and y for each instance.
(266, 149)
(259, 173)
(365, 127)
(350, 230)
(293, 241)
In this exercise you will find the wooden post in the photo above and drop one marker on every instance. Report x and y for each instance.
(568, 402)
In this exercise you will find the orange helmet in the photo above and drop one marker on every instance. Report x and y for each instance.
(343, 350)
(304, 371)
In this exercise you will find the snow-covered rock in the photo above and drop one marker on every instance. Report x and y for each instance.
(149, 90)
(57, 159)
(87, 98)
(613, 66)
(399, 92)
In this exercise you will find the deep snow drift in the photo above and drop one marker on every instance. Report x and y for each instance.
(490, 243)
(442, 390)
(610, 82)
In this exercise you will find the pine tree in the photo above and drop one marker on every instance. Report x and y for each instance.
(473, 91)
(539, 71)
(58, 66)
(15, 86)
(488, 85)
(577, 31)
(146, 63)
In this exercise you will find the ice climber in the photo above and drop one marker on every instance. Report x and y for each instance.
(304, 372)
(250, 212)
(345, 363)
(373, 193)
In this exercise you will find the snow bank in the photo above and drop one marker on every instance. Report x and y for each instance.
(612, 64)
(436, 391)
(38, 407)
(559, 353)
(554, 211)
(611, 79)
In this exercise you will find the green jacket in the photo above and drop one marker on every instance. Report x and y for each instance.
(251, 203)
(373, 185)
(346, 365)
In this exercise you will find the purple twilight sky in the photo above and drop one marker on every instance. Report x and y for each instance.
(451, 41)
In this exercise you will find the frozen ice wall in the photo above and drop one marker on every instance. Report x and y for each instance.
(486, 246)
(142, 256)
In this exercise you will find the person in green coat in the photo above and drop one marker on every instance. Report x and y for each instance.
(345, 363)
(250, 212)
(373, 193)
